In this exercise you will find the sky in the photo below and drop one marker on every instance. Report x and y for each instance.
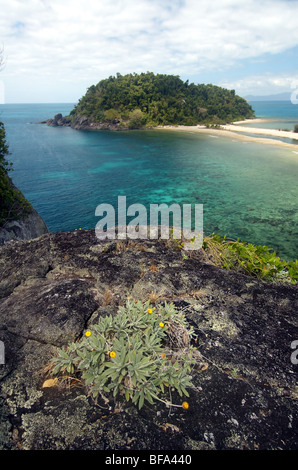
(53, 50)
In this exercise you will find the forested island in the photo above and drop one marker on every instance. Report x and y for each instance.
(148, 100)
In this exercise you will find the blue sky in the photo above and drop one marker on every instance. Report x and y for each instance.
(55, 49)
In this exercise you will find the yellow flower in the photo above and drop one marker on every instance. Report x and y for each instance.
(149, 310)
(164, 356)
(112, 354)
(185, 405)
(88, 333)
(161, 324)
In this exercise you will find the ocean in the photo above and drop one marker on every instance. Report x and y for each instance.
(248, 190)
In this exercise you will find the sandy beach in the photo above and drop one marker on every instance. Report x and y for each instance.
(237, 131)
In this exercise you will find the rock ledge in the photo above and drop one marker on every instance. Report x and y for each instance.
(53, 287)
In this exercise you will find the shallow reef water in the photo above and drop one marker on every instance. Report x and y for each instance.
(248, 190)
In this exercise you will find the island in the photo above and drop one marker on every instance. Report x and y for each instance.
(134, 101)
(230, 307)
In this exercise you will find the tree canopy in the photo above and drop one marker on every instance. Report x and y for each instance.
(146, 99)
(13, 204)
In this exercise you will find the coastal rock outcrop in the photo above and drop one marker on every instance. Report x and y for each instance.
(54, 287)
(26, 227)
(57, 120)
(83, 123)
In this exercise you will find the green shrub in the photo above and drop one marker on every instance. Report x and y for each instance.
(139, 353)
(136, 119)
(4, 164)
(112, 115)
(257, 261)
(13, 204)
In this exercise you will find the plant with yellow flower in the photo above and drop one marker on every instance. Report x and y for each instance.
(127, 354)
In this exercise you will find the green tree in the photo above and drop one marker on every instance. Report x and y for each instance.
(136, 119)
(163, 99)
(13, 205)
(12, 202)
(112, 115)
(4, 164)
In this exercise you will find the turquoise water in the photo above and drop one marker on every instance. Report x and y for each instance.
(248, 190)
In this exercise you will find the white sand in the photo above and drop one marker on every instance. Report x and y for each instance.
(258, 130)
(237, 132)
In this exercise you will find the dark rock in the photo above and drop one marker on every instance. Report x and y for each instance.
(54, 287)
(80, 122)
(58, 120)
(84, 123)
(26, 227)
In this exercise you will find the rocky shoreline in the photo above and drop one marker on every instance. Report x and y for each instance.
(82, 123)
(26, 227)
(52, 288)
(230, 130)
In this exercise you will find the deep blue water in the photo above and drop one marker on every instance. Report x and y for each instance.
(248, 190)
(284, 110)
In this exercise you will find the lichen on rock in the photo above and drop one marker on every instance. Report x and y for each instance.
(54, 287)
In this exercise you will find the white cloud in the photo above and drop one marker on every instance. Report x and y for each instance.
(263, 84)
(50, 42)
